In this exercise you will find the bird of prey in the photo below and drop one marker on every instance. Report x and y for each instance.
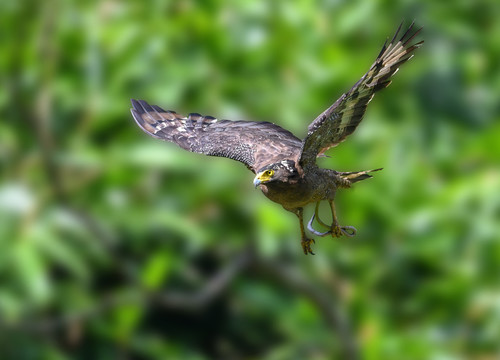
(285, 166)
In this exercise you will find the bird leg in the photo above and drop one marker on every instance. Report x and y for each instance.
(338, 230)
(335, 229)
(317, 216)
(305, 241)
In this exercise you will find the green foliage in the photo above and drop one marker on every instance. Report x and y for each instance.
(114, 245)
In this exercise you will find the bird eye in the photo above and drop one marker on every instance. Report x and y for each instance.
(269, 173)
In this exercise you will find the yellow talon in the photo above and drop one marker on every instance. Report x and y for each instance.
(306, 246)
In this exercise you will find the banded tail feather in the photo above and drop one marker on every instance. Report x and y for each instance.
(355, 176)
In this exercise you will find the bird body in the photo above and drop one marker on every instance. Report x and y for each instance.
(319, 184)
(285, 166)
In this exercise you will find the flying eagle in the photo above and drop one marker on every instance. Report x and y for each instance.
(285, 166)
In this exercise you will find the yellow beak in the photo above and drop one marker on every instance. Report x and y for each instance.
(261, 178)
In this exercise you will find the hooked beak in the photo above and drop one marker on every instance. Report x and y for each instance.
(256, 181)
(262, 178)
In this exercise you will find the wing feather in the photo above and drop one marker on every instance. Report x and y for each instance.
(256, 144)
(341, 119)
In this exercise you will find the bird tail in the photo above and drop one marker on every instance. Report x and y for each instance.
(355, 176)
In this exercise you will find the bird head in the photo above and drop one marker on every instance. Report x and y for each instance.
(283, 171)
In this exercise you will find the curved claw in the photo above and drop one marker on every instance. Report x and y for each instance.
(349, 231)
(315, 232)
(306, 245)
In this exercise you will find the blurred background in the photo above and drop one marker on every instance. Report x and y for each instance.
(117, 245)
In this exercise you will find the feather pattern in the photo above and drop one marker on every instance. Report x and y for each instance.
(341, 119)
(256, 144)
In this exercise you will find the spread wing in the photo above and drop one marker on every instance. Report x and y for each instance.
(341, 119)
(256, 144)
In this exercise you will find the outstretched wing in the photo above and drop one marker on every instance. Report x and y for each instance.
(256, 144)
(341, 119)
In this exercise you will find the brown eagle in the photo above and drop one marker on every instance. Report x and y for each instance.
(285, 166)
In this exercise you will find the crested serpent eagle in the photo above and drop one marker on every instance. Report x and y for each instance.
(285, 166)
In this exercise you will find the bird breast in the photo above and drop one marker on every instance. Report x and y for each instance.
(308, 189)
